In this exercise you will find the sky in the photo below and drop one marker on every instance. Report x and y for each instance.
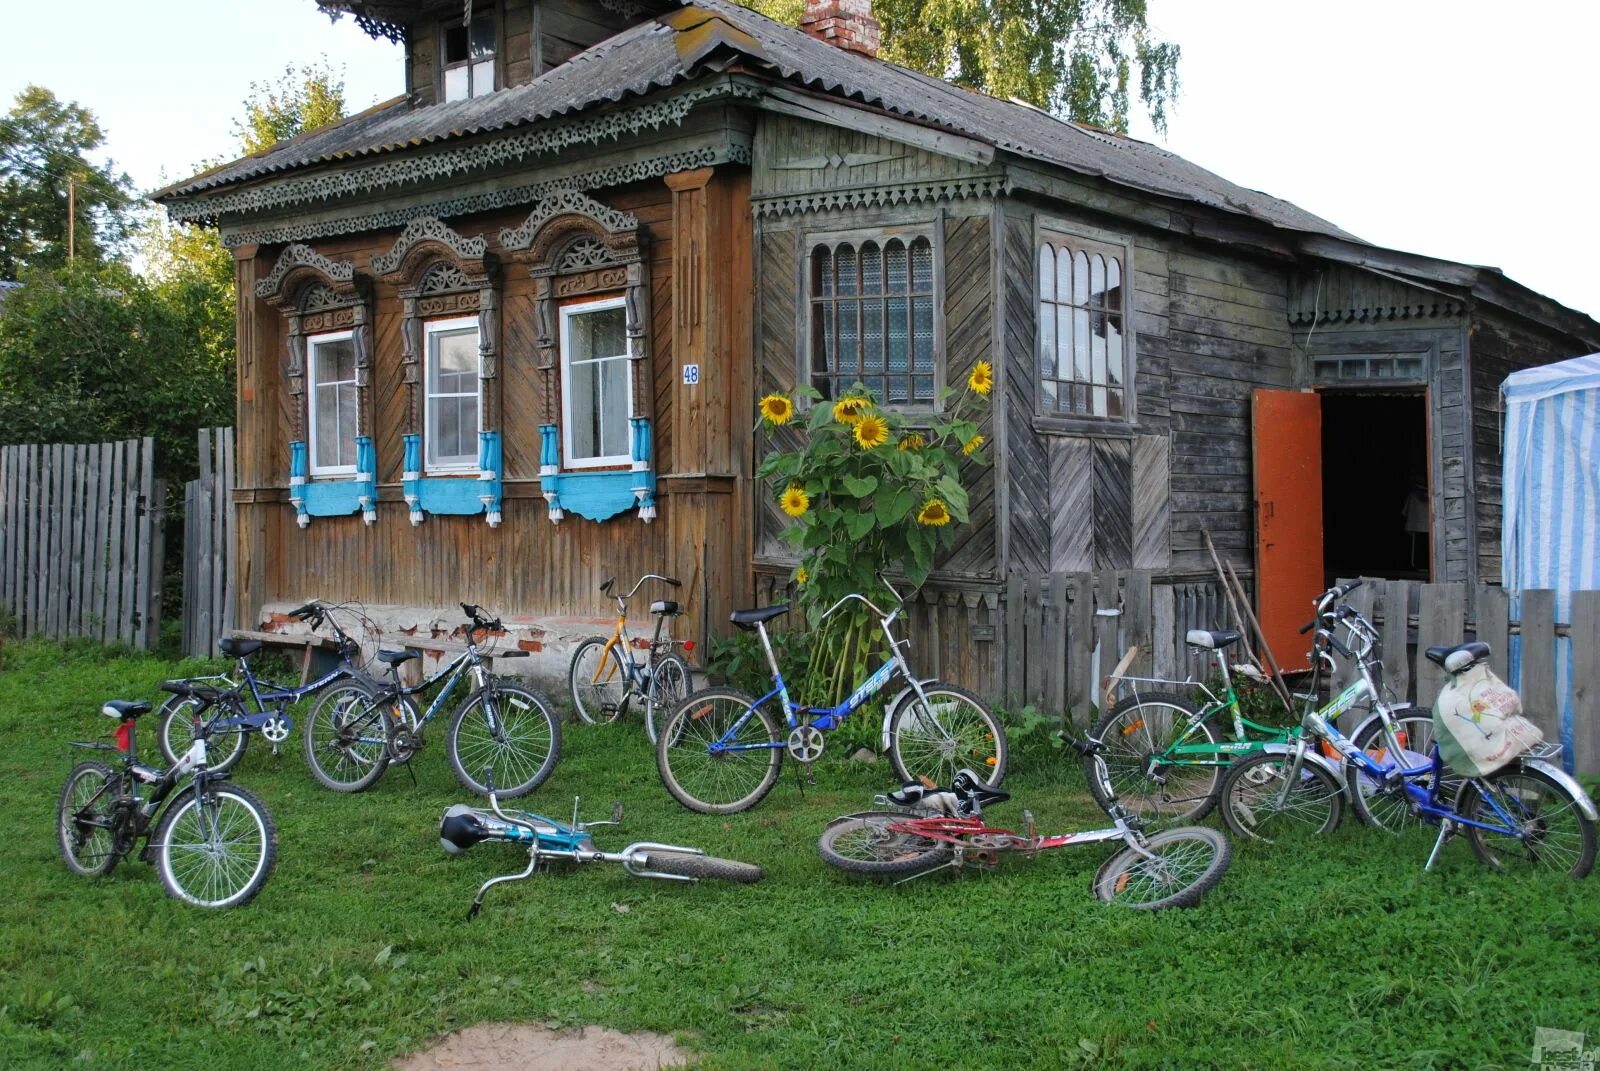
(1461, 129)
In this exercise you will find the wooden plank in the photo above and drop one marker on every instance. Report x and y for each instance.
(1537, 682)
(75, 539)
(127, 553)
(1107, 626)
(1136, 630)
(104, 527)
(7, 540)
(1586, 683)
(89, 614)
(30, 528)
(204, 535)
(1080, 649)
(191, 492)
(146, 542)
(1164, 632)
(1493, 613)
(114, 544)
(1013, 639)
(1152, 501)
(1070, 504)
(230, 542)
(1440, 617)
(1035, 656)
(1396, 653)
(151, 606)
(56, 608)
(1055, 633)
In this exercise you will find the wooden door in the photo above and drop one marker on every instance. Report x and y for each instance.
(1288, 485)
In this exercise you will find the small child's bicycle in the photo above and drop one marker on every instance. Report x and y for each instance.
(604, 678)
(547, 839)
(936, 829)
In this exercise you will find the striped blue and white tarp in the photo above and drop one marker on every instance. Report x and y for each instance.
(1550, 496)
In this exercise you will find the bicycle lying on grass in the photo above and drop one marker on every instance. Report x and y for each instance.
(548, 840)
(937, 829)
(350, 742)
(249, 705)
(721, 751)
(213, 844)
(605, 678)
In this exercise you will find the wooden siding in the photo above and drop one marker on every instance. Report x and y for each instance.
(796, 158)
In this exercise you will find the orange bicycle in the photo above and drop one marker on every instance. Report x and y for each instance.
(605, 677)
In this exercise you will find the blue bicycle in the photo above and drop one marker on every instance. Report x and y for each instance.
(721, 751)
(233, 710)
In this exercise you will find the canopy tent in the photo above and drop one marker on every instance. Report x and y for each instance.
(1551, 496)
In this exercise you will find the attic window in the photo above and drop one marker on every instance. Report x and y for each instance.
(468, 58)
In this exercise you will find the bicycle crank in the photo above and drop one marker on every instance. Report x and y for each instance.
(805, 744)
(276, 728)
(403, 745)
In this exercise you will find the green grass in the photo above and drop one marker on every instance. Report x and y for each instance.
(1340, 954)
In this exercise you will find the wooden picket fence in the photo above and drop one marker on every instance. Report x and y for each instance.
(80, 540)
(208, 593)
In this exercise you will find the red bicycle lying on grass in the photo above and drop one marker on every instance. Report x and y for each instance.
(935, 829)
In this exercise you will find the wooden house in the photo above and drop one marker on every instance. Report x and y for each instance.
(502, 337)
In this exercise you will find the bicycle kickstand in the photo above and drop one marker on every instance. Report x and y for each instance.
(1447, 829)
(953, 863)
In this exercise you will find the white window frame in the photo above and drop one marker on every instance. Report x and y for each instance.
(567, 314)
(312, 342)
(431, 330)
(473, 91)
(1070, 232)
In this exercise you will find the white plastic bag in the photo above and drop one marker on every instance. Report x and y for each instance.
(1479, 724)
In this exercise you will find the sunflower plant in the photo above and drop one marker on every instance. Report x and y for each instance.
(868, 491)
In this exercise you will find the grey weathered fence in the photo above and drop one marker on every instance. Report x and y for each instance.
(80, 540)
(208, 596)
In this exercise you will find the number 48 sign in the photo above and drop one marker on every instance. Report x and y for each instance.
(691, 375)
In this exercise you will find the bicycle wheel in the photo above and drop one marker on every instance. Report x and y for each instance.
(1554, 836)
(702, 866)
(953, 731)
(1135, 734)
(347, 738)
(726, 781)
(175, 731)
(84, 814)
(1387, 806)
(1186, 863)
(864, 844)
(1255, 805)
(598, 682)
(215, 850)
(509, 729)
(670, 684)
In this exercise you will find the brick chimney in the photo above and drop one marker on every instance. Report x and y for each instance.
(846, 24)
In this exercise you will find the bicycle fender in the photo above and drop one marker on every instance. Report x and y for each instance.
(1565, 780)
(889, 708)
(1312, 757)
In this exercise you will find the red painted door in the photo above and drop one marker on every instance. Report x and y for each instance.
(1288, 482)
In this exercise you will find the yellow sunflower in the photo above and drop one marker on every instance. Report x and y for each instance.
(849, 410)
(871, 430)
(795, 501)
(982, 378)
(971, 445)
(777, 409)
(801, 576)
(934, 514)
(914, 441)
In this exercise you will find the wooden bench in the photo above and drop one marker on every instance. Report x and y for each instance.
(310, 641)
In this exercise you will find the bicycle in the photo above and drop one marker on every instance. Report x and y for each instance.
(547, 839)
(351, 742)
(938, 829)
(604, 677)
(213, 844)
(234, 721)
(721, 751)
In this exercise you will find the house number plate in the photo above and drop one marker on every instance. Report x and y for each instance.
(691, 375)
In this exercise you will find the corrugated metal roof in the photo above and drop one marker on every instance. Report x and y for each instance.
(710, 34)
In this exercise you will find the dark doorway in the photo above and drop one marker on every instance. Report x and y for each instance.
(1376, 494)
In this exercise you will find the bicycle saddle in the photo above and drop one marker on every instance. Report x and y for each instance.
(752, 618)
(237, 648)
(665, 607)
(920, 796)
(123, 709)
(973, 793)
(1212, 641)
(1458, 657)
(395, 658)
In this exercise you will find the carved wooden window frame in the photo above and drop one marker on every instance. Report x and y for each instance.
(1058, 235)
(589, 303)
(315, 471)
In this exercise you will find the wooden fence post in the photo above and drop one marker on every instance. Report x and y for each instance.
(1586, 682)
(1537, 682)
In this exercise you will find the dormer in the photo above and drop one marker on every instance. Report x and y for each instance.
(458, 49)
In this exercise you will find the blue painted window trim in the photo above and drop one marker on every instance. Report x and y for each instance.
(457, 496)
(599, 496)
(334, 497)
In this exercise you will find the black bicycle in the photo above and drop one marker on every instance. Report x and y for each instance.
(239, 708)
(213, 843)
(509, 727)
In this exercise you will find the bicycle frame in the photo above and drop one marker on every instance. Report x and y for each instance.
(633, 670)
(467, 663)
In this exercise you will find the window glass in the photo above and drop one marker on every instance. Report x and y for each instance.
(452, 419)
(872, 319)
(597, 383)
(333, 404)
(467, 58)
(1083, 359)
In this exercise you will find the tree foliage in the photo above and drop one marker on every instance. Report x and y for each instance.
(301, 99)
(44, 146)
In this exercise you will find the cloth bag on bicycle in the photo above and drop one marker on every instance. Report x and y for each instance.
(1478, 723)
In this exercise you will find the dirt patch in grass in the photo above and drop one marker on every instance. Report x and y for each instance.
(525, 1047)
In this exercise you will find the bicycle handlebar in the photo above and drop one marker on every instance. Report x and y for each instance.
(671, 581)
(854, 595)
(477, 621)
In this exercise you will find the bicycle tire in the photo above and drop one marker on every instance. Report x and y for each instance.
(682, 749)
(1129, 742)
(346, 738)
(960, 732)
(175, 732)
(671, 681)
(1129, 872)
(185, 862)
(697, 867)
(861, 844)
(1388, 807)
(598, 702)
(1249, 793)
(525, 747)
(1514, 785)
(88, 798)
